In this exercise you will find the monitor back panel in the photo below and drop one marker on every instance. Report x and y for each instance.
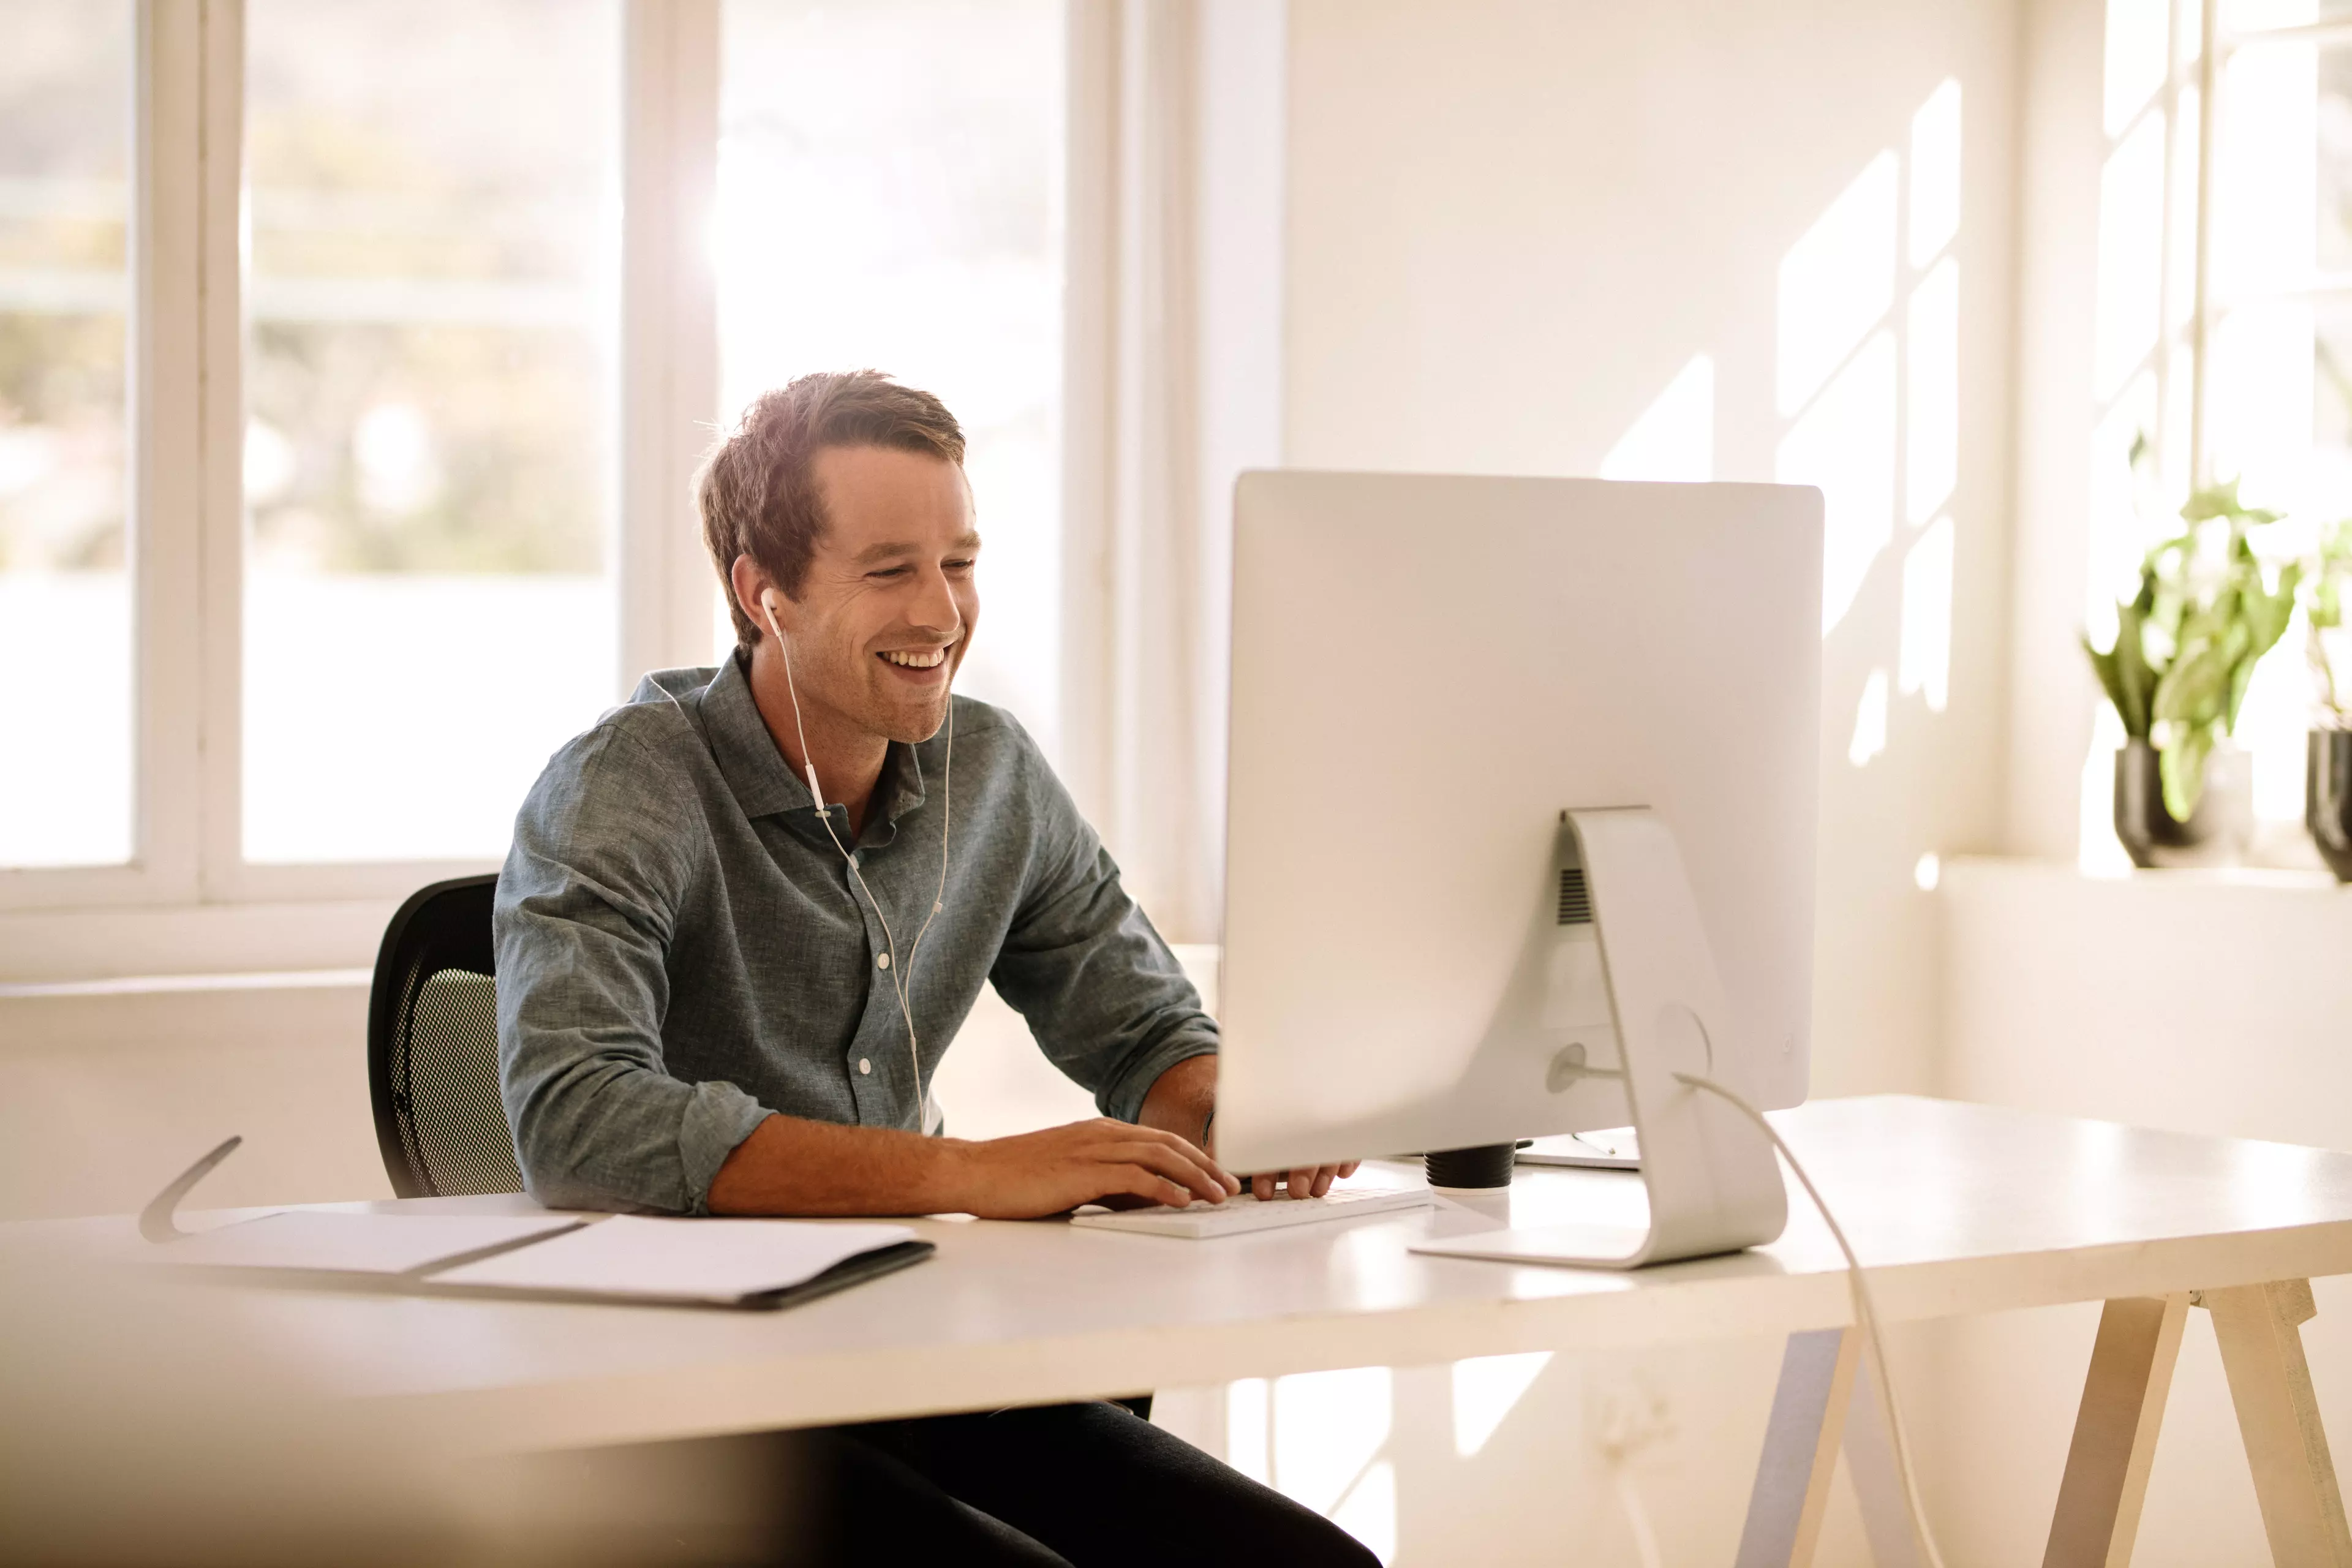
(1427, 671)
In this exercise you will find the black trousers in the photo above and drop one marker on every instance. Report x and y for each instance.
(1067, 1485)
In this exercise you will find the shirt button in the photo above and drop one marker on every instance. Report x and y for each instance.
(881, 961)
(864, 1065)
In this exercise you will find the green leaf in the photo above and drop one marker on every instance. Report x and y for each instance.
(2102, 664)
(2241, 676)
(2268, 614)
(2134, 679)
(2193, 692)
(2183, 764)
(2212, 501)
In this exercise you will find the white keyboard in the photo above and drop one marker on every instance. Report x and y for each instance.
(1245, 1213)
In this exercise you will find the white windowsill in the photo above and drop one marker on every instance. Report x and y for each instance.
(136, 944)
(1968, 873)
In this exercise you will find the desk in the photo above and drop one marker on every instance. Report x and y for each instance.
(1955, 1208)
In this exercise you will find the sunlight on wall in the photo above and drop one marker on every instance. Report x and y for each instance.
(1869, 722)
(1316, 1437)
(1328, 1427)
(1836, 284)
(1936, 173)
(1485, 1390)
(1370, 1511)
(1245, 1429)
(1674, 439)
(1934, 453)
(1924, 668)
(1869, 373)
(1846, 443)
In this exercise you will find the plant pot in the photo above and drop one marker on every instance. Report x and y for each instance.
(2327, 798)
(2216, 833)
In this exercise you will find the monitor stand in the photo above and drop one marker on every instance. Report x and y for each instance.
(1713, 1183)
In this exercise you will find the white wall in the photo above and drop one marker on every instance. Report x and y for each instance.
(1513, 224)
(2217, 1003)
(107, 1091)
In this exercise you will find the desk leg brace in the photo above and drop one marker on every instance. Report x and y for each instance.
(1801, 1445)
(2260, 1330)
(1827, 1395)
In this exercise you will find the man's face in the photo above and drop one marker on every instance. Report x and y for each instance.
(887, 607)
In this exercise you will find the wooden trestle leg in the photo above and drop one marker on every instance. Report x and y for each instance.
(2115, 1432)
(2260, 1330)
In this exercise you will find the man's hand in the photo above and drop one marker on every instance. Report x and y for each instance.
(1182, 1099)
(1058, 1169)
(789, 1165)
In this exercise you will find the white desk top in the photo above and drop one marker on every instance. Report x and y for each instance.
(1956, 1208)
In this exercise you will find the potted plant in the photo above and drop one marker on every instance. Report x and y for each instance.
(2185, 649)
(2327, 761)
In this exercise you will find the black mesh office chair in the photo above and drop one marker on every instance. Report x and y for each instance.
(433, 1046)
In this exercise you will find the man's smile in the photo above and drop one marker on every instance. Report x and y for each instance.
(918, 664)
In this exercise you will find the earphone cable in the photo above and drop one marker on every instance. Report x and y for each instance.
(901, 979)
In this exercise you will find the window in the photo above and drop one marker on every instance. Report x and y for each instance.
(355, 358)
(2224, 331)
(430, 454)
(2278, 386)
(65, 559)
(889, 196)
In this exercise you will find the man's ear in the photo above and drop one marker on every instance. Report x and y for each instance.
(749, 581)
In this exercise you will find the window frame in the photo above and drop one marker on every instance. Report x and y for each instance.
(185, 417)
(2207, 312)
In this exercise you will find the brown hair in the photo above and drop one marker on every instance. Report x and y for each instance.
(757, 492)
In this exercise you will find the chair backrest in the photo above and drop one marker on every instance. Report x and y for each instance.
(433, 1046)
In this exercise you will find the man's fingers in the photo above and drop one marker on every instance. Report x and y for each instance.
(1323, 1177)
(1150, 1188)
(1349, 1169)
(1128, 1133)
(1162, 1160)
(1262, 1187)
(1301, 1181)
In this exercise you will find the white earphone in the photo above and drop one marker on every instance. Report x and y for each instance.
(902, 979)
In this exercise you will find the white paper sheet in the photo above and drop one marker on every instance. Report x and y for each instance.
(679, 1260)
(352, 1242)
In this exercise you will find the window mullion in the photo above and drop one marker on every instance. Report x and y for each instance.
(2200, 319)
(669, 332)
(166, 375)
(219, 416)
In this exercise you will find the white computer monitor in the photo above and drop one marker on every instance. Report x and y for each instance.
(1427, 673)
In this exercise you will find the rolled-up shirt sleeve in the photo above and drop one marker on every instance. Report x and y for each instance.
(1102, 993)
(584, 919)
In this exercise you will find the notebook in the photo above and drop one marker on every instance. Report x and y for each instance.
(702, 1262)
(761, 1264)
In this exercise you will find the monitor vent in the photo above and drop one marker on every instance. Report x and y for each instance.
(1575, 900)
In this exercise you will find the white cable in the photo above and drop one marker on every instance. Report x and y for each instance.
(901, 979)
(1865, 1316)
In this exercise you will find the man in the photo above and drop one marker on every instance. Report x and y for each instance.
(720, 995)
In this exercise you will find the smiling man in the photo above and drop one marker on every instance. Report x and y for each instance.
(744, 915)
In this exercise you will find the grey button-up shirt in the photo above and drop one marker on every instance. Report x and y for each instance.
(682, 948)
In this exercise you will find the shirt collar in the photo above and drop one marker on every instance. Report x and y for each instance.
(764, 783)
